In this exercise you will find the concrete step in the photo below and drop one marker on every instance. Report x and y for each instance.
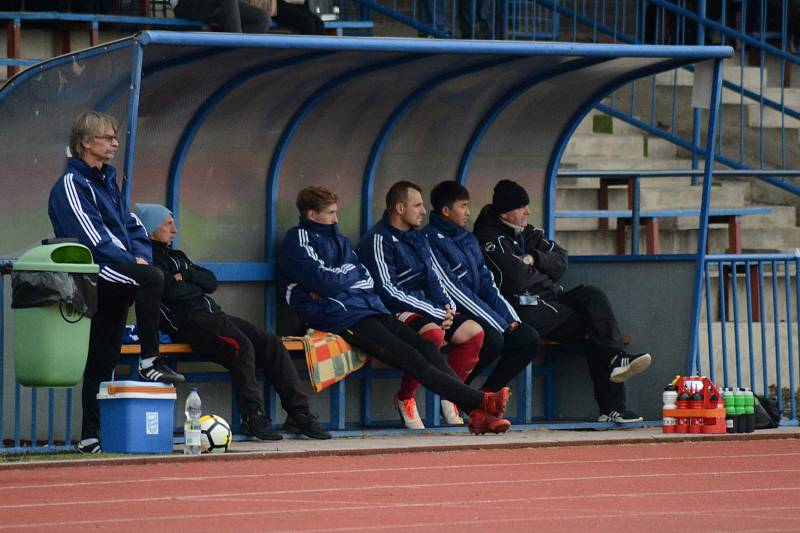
(663, 197)
(784, 216)
(791, 96)
(603, 242)
(772, 118)
(615, 163)
(750, 77)
(658, 148)
(598, 144)
(587, 124)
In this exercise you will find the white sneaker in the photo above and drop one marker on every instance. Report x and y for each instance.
(624, 366)
(451, 414)
(409, 413)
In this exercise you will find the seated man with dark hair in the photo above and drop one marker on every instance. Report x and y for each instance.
(400, 260)
(331, 291)
(528, 268)
(191, 315)
(460, 263)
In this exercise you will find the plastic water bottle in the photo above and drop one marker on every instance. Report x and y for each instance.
(730, 410)
(191, 428)
(670, 398)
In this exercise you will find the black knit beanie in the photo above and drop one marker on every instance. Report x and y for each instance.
(508, 195)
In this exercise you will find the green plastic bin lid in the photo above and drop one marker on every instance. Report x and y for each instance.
(60, 257)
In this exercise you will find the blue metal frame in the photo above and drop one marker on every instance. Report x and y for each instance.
(133, 120)
(201, 115)
(588, 54)
(702, 237)
(506, 100)
(551, 174)
(370, 169)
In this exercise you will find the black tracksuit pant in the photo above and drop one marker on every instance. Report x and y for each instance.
(390, 341)
(583, 315)
(515, 349)
(139, 284)
(243, 348)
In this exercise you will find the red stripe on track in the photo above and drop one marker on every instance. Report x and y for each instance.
(730, 486)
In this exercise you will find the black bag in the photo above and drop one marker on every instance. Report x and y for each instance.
(30, 288)
(767, 414)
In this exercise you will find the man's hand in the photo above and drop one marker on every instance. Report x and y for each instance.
(178, 276)
(514, 325)
(140, 261)
(314, 295)
(448, 317)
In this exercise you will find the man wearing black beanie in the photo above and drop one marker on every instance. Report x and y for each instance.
(527, 267)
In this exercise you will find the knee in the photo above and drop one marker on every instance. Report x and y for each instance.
(468, 330)
(434, 334)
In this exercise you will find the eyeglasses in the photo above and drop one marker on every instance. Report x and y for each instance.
(107, 138)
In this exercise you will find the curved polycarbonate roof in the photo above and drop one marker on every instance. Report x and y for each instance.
(224, 122)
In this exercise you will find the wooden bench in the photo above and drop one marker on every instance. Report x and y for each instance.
(371, 371)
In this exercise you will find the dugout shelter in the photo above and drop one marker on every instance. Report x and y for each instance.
(225, 129)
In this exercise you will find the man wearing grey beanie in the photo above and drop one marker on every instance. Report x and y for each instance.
(528, 267)
(190, 314)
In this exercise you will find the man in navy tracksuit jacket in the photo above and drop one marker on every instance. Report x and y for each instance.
(85, 203)
(400, 260)
(325, 284)
(190, 314)
(460, 263)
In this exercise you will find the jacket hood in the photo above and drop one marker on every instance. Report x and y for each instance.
(488, 217)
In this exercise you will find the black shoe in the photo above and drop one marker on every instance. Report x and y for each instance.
(624, 366)
(625, 417)
(88, 446)
(161, 373)
(258, 426)
(307, 424)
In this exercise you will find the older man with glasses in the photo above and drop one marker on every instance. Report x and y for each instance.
(86, 204)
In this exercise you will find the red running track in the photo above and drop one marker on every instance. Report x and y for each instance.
(703, 486)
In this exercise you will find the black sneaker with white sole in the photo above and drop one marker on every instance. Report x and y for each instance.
(625, 417)
(161, 373)
(624, 366)
(88, 446)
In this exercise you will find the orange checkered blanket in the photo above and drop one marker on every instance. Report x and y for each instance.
(328, 356)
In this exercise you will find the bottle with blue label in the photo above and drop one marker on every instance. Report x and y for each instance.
(191, 428)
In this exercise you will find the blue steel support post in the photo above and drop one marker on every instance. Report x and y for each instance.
(635, 216)
(702, 236)
(696, 117)
(2, 354)
(133, 118)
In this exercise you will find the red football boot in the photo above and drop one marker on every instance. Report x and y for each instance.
(481, 422)
(495, 403)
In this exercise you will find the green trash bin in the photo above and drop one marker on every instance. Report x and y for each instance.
(54, 291)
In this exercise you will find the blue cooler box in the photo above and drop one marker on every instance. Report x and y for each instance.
(136, 416)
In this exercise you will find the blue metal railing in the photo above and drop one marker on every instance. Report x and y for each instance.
(762, 353)
(763, 30)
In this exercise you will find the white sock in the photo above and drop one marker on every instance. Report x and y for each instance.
(147, 362)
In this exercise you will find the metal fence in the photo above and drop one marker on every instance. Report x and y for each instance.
(752, 314)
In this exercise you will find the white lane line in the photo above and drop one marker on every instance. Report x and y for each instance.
(393, 469)
(393, 487)
(206, 516)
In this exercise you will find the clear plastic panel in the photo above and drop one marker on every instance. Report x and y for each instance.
(38, 107)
